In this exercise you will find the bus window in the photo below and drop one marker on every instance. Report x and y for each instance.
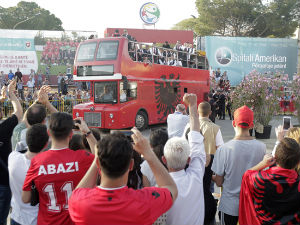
(105, 92)
(86, 52)
(108, 50)
(128, 94)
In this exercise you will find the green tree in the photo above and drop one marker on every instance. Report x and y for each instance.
(28, 16)
(243, 18)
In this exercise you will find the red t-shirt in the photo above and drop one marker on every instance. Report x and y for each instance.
(55, 174)
(119, 206)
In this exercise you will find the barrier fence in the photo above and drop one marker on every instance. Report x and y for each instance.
(59, 104)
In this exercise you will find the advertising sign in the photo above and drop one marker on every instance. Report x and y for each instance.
(240, 55)
(50, 52)
(17, 52)
(149, 13)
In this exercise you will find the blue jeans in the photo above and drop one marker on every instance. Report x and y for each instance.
(5, 196)
(12, 222)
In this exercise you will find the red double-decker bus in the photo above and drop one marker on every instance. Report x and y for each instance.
(132, 88)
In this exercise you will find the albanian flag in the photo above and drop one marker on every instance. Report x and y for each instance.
(270, 197)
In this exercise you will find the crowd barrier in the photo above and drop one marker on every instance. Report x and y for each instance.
(60, 105)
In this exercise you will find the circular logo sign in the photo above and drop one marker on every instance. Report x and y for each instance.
(149, 13)
(223, 56)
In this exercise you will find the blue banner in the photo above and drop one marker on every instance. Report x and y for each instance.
(17, 44)
(238, 56)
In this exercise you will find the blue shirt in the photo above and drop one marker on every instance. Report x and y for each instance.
(10, 76)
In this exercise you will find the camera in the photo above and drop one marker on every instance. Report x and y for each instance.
(286, 122)
(127, 133)
(74, 126)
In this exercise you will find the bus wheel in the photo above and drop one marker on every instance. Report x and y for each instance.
(141, 120)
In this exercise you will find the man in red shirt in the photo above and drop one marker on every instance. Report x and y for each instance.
(57, 171)
(113, 202)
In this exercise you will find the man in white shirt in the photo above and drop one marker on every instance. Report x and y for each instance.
(232, 160)
(189, 206)
(30, 85)
(177, 121)
(18, 165)
(36, 113)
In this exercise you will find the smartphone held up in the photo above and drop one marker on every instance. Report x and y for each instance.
(286, 122)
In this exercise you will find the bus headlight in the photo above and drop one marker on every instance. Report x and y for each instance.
(77, 114)
(111, 115)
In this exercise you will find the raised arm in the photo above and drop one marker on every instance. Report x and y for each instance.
(18, 110)
(191, 101)
(43, 98)
(162, 177)
(198, 155)
(87, 132)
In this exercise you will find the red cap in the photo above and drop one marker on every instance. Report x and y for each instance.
(243, 115)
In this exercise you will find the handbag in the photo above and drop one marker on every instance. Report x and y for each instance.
(34, 195)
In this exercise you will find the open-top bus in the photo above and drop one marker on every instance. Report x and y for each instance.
(125, 92)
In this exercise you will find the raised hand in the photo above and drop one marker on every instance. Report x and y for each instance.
(141, 144)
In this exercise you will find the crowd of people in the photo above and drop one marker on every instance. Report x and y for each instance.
(219, 96)
(72, 175)
(63, 98)
(183, 55)
(59, 52)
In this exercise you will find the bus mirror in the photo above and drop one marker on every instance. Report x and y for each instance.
(125, 83)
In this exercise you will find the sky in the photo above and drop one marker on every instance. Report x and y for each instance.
(96, 15)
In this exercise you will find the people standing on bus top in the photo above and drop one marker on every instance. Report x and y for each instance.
(161, 58)
(146, 52)
(10, 75)
(166, 45)
(154, 52)
(19, 75)
(116, 34)
(125, 34)
(173, 62)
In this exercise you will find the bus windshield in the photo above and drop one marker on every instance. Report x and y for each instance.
(107, 50)
(86, 52)
(106, 92)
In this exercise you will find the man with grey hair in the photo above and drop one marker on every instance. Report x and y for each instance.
(178, 152)
(177, 121)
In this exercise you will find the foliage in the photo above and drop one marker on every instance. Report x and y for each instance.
(244, 18)
(296, 94)
(39, 39)
(28, 16)
(259, 92)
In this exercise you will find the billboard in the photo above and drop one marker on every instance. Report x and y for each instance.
(240, 55)
(49, 51)
(17, 51)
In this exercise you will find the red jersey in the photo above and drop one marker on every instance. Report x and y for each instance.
(56, 173)
(119, 206)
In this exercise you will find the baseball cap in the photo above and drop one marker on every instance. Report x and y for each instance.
(243, 115)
